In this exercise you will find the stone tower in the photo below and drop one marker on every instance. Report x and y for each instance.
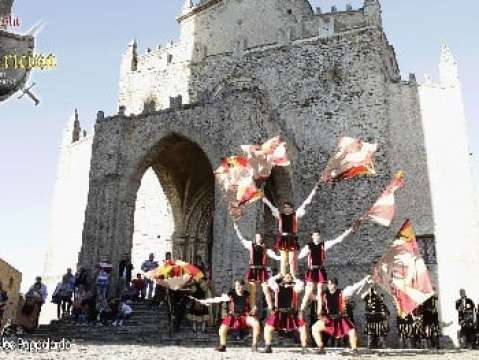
(237, 76)
(449, 168)
(68, 205)
(5, 8)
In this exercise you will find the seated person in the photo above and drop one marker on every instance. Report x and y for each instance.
(123, 313)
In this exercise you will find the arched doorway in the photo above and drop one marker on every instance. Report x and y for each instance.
(154, 224)
(184, 197)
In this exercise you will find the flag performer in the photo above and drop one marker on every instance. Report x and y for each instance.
(258, 262)
(285, 316)
(239, 314)
(316, 274)
(333, 319)
(286, 241)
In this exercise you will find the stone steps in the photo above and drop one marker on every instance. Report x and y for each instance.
(148, 324)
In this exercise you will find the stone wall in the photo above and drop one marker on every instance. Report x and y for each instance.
(11, 279)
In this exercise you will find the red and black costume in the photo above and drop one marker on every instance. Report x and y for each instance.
(285, 317)
(287, 239)
(316, 272)
(257, 264)
(336, 321)
(239, 309)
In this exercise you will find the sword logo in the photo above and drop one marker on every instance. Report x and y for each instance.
(26, 91)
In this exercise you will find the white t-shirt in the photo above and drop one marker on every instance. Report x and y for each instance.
(126, 309)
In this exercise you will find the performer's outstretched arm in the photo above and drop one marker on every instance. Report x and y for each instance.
(304, 252)
(274, 210)
(215, 300)
(301, 211)
(352, 289)
(330, 243)
(273, 255)
(244, 242)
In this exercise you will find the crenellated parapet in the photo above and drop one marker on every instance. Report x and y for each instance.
(236, 30)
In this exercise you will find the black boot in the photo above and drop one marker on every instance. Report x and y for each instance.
(221, 348)
(268, 349)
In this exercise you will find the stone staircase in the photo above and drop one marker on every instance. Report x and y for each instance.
(149, 325)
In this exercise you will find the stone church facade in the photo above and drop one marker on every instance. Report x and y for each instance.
(242, 72)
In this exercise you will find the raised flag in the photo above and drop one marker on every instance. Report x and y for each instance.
(262, 158)
(402, 272)
(233, 170)
(353, 157)
(384, 208)
(175, 274)
(235, 176)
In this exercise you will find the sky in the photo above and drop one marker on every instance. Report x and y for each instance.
(88, 37)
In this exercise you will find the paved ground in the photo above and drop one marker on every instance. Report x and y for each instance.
(145, 352)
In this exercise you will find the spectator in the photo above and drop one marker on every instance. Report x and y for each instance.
(102, 283)
(106, 265)
(124, 269)
(39, 291)
(81, 278)
(124, 313)
(104, 311)
(78, 311)
(89, 304)
(130, 294)
(40, 288)
(71, 280)
(3, 302)
(140, 286)
(62, 296)
(149, 265)
(28, 312)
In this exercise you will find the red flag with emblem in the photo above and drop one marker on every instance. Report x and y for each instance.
(402, 272)
(235, 176)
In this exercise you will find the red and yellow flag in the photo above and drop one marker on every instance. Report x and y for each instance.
(402, 272)
(353, 157)
(384, 209)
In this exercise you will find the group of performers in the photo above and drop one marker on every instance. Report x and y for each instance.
(421, 328)
(377, 319)
(286, 311)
